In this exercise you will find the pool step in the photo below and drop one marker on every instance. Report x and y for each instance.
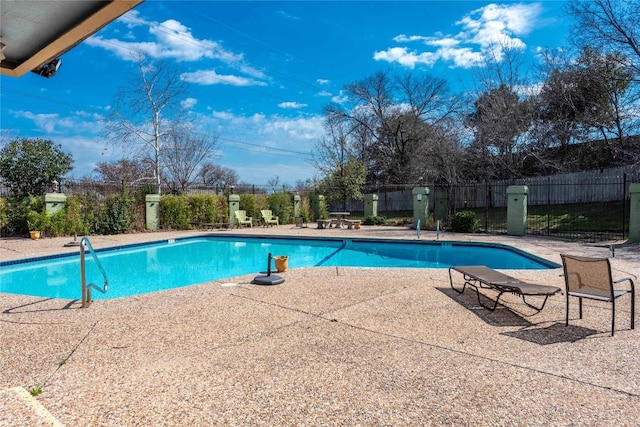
(19, 408)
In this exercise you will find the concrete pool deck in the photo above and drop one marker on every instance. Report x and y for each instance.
(330, 346)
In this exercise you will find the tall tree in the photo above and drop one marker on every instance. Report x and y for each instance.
(498, 123)
(146, 111)
(124, 170)
(610, 26)
(183, 154)
(28, 166)
(583, 99)
(344, 173)
(217, 176)
(383, 118)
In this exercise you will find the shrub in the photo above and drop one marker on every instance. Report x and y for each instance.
(465, 222)
(248, 204)
(4, 216)
(74, 220)
(305, 209)
(281, 204)
(221, 205)
(117, 217)
(374, 220)
(56, 225)
(174, 212)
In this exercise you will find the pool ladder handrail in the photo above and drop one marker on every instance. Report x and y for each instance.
(86, 288)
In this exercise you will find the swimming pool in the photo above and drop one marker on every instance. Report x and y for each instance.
(167, 264)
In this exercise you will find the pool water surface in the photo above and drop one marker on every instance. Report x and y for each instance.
(144, 268)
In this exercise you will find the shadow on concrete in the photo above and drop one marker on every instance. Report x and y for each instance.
(554, 334)
(501, 316)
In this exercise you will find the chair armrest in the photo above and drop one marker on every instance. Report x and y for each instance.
(624, 279)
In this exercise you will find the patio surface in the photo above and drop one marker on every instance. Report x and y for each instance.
(330, 346)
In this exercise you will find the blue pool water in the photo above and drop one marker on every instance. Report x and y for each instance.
(139, 269)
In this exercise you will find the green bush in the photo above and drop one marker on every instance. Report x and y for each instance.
(374, 220)
(465, 222)
(74, 218)
(281, 205)
(222, 209)
(174, 212)
(4, 216)
(203, 208)
(57, 225)
(320, 206)
(17, 209)
(249, 204)
(117, 217)
(305, 209)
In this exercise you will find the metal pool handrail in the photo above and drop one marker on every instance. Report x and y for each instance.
(86, 288)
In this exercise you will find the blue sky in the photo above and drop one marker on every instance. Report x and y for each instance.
(261, 72)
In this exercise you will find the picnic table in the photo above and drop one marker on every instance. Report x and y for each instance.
(338, 218)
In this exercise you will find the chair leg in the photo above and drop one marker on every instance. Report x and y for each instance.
(580, 306)
(633, 308)
(613, 315)
(566, 320)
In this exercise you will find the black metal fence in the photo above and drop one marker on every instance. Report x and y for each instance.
(591, 205)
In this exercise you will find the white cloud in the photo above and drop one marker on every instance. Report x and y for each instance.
(308, 129)
(291, 104)
(188, 103)
(259, 147)
(253, 72)
(132, 19)
(404, 57)
(286, 15)
(485, 31)
(78, 121)
(323, 81)
(223, 115)
(341, 98)
(403, 38)
(211, 77)
(172, 39)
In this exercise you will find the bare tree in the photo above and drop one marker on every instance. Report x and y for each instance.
(215, 175)
(124, 170)
(384, 120)
(344, 173)
(499, 121)
(183, 154)
(610, 26)
(145, 111)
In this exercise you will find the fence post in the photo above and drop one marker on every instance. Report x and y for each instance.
(152, 202)
(634, 213)
(54, 202)
(370, 205)
(420, 206)
(296, 205)
(517, 210)
(234, 205)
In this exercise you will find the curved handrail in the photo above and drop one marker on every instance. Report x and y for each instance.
(86, 288)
